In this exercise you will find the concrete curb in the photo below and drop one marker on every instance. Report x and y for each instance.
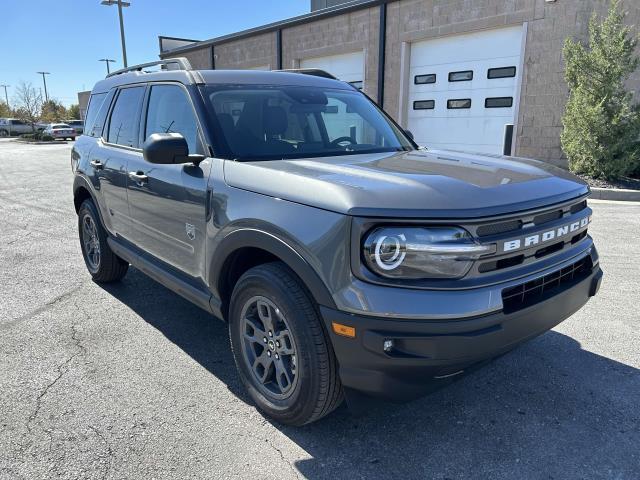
(54, 142)
(620, 194)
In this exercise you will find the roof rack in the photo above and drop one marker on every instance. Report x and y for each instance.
(316, 72)
(181, 62)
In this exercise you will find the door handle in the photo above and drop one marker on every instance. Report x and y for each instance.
(97, 164)
(138, 177)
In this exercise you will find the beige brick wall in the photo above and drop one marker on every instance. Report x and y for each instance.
(200, 58)
(351, 32)
(543, 91)
(255, 51)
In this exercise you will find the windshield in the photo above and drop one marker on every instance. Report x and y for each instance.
(277, 122)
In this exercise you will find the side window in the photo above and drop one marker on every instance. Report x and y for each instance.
(170, 111)
(123, 124)
(98, 124)
(17, 122)
(95, 102)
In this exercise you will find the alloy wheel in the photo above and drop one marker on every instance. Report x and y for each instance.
(91, 242)
(268, 348)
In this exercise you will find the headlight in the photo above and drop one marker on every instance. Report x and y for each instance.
(417, 252)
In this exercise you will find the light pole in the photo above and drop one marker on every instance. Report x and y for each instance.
(106, 60)
(120, 4)
(44, 80)
(6, 97)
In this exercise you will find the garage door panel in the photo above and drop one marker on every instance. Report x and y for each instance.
(469, 47)
(474, 127)
(348, 67)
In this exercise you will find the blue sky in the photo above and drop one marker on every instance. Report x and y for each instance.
(67, 37)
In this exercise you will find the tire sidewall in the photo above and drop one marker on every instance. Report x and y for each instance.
(306, 388)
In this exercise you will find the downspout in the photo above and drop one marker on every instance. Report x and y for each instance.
(382, 43)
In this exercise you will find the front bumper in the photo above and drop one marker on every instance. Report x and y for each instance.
(428, 353)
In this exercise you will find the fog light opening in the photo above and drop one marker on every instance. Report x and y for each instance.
(388, 345)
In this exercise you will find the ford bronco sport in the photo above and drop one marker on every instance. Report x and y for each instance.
(347, 261)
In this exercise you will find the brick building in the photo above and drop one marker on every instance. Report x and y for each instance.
(454, 72)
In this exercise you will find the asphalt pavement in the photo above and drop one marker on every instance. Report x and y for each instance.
(132, 381)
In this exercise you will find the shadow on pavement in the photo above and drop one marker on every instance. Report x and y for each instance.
(547, 410)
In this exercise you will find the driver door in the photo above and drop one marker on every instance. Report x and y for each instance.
(167, 203)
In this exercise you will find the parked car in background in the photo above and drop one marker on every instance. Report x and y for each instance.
(13, 126)
(40, 126)
(60, 130)
(78, 125)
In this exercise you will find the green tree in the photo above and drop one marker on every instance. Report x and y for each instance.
(53, 111)
(601, 122)
(73, 112)
(5, 111)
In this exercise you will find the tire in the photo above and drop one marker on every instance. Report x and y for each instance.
(4, 133)
(271, 298)
(103, 265)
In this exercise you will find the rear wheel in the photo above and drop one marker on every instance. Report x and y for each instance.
(103, 265)
(4, 133)
(282, 352)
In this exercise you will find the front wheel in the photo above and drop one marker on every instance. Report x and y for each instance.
(103, 265)
(282, 352)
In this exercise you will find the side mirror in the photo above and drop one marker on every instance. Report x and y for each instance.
(408, 133)
(168, 149)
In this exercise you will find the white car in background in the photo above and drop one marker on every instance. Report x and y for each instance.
(60, 130)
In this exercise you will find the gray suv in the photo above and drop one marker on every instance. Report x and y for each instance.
(346, 261)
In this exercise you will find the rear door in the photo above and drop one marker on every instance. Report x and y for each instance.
(118, 147)
(167, 202)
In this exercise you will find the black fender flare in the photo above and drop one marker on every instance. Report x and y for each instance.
(256, 238)
(81, 182)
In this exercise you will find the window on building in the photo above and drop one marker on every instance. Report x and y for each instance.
(170, 111)
(424, 79)
(458, 103)
(123, 125)
(424, 104)
(502, 72)
(464, 76)
(498, 102)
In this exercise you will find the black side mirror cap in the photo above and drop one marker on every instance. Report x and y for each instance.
(166, 149)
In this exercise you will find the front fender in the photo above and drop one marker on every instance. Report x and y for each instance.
(246, 237)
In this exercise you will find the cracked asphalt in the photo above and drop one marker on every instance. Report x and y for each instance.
(132, 381)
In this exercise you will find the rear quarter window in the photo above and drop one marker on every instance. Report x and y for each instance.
(95, 102)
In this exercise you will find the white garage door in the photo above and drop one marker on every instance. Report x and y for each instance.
(348, 67)
(462, 89)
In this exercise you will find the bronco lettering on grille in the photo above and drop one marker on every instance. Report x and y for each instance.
(546, 236)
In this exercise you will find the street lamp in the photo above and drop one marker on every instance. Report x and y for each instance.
(44, 80)
(6, 97)
(120, 4)
(106, 60)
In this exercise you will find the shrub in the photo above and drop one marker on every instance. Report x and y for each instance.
(601, 123)
(37, 136)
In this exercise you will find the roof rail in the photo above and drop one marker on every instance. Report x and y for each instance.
(316, 72)
(181, 62)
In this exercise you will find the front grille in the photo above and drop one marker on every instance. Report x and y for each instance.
(547, 217)
(497, 228)
(578, 207)
(534, 291)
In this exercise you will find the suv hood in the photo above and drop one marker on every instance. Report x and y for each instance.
(422, 183)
